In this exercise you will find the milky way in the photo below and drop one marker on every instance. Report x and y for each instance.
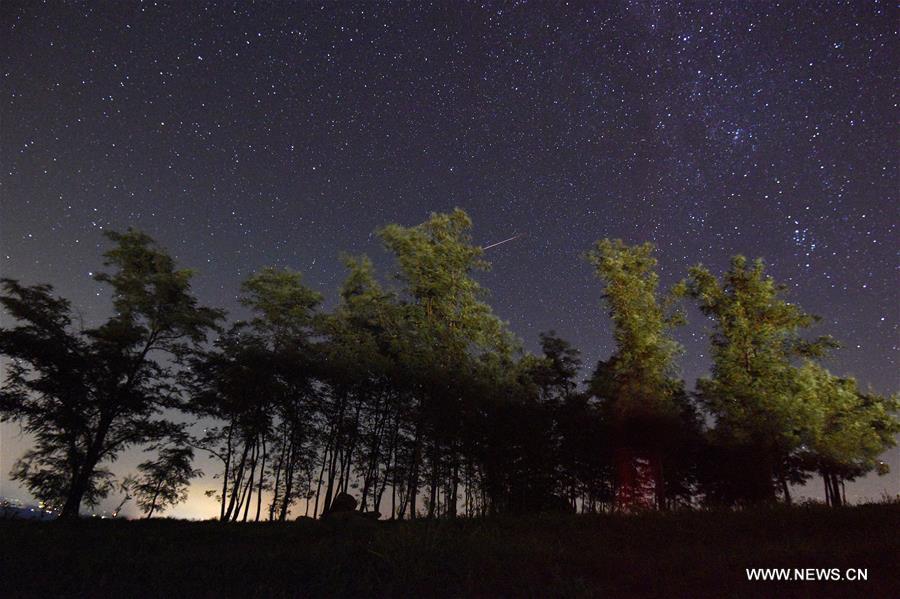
(282, 135)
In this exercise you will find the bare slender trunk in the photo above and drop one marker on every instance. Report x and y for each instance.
(785, 488)
(329, 487)
(835, 486)
(394, 481)
(235, 488)
(319, 485)
(289, 477)
(228, 451)
(454, 487)
(276, 489)
(262, 475)
(414, 474)
(248, 493)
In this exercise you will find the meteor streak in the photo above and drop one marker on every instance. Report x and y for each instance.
(513, 238)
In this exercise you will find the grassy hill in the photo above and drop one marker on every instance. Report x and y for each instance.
(690, 554)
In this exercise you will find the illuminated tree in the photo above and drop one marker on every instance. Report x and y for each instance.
(761, 418)
(849, 429)
(448, 329)
(642, 397)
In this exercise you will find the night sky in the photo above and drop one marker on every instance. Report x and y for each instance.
(241, 136)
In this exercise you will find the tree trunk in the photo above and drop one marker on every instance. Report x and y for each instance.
(393, 487)
(785, 488)
(81, 479)
(236, 486)
(262, 475)
(329, 486)
(659, 481)
(836, 492)
(289, 476)
(276, 487)
(121, 504)
(71, 507)
(248, 492)
(319, 484)
(80, 482)
(153, 502)
(228, 452)
(454, 487)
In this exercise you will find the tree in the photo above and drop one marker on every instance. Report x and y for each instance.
(285, 322)
(163, 482)
(235, 383)
(524, 436)
(643, 397)
(447, 331)
(760, 418)
(421, 387)
(259, 381)
(849, 431)
(88, 394)
(364, 421)
(555, 372)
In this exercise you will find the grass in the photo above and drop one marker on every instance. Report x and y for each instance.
(689, 554)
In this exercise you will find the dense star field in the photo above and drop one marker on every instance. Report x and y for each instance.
(254, 135)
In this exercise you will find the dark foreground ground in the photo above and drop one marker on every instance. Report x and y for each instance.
(654, 555)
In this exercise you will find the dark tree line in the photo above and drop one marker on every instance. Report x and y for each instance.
(416, 398)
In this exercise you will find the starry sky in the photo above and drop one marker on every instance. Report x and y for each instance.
(244, 135)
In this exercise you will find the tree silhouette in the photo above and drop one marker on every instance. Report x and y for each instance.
(411, 393)
(163, 482)
(88, 394)
(258, 381)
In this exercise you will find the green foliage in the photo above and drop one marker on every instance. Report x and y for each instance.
(283, 306)
(646, 410)
(753, 392)
(417, 394)
(555, 372)
(639, 378)
(848, 429)
(437, 260)
(451, 345)
(755, 342)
